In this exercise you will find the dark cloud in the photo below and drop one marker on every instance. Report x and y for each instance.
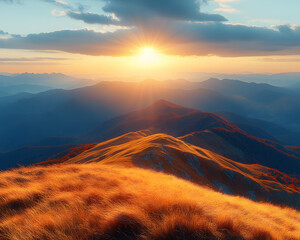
(7, 34)
(237, 40)
(2, 32)
(137, 10)
(73, 41)
(218, 32)
(179, 39)
(92, 18)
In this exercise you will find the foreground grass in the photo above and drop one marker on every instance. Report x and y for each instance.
(95, 201)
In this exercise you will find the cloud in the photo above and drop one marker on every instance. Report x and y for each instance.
(2, 32)
(7, 35)
(36, 59)
(134, 11)
(138, 13)
(229, 10)
(73, 41)
(281, 60)
(59, 3)
(225, 7)
(238, 40)
(93, 18)
(58, 13)
(33, 61)
(180, 39)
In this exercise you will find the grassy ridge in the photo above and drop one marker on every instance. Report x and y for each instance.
(95, 201)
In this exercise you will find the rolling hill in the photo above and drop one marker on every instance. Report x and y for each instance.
(172, 155)
(108, 202)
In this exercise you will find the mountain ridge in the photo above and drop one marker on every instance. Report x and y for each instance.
(175, 156)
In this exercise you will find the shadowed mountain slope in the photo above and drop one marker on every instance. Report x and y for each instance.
(26, 156)
(49, 113)
(263, 129)
(244, 148)
(162, 116)
(259, 100)
(258, 92)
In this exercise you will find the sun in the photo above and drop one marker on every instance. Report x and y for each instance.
(148, 56)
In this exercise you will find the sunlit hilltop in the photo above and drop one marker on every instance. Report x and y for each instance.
(119, 203)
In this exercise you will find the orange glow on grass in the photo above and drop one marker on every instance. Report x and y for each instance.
(68, 201)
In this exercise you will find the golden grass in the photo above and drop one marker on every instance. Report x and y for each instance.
(95, 201)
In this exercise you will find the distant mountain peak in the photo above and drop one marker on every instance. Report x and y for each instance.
(163, 106)
(213, 80)
(150, 81)
(165, 103)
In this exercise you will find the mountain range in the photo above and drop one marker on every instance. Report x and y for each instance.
(50, 80)
(198, 146)
(24, 121)
(289, 79)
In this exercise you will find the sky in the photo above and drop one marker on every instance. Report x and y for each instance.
(146, 37)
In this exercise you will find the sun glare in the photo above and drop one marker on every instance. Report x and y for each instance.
(148, 56)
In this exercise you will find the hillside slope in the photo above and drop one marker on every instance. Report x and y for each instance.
(97, 201)
(26, 156)
(171, 155)
(263, 129)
